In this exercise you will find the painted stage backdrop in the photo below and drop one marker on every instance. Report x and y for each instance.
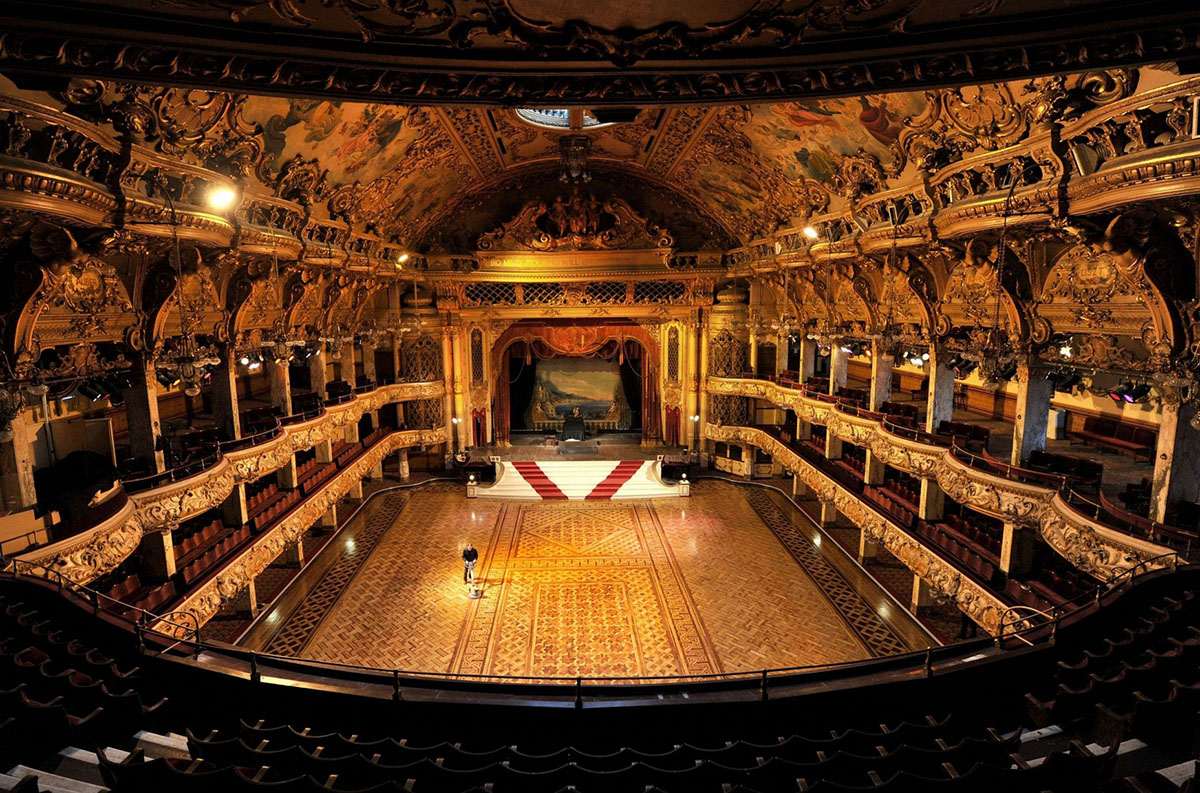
(591, 386)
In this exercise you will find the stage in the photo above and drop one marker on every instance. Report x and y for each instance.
(719, 582)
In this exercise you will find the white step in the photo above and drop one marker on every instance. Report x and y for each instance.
(53, 783)
(576, 479)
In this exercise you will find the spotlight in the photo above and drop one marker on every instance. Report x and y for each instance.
(244, 360)
(92, 390)
(1138, 393)
(1065, 380)
(400, 260)
(810, 232)
(167, 380)
(963, 367)
(221, 197)
(924, 356)
(1065, 351)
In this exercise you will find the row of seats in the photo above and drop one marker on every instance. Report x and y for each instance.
(965, 433)
(200, 566)
(971, 557)
(897, 509)
(196, 543)
(1097, 692)
(1118, 436)
(55, 687)
(131, 590)
(283, 503)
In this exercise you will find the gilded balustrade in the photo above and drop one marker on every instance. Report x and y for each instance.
(1146, 146)
(207, 599)
(971, 598)
(87, 556)
(1091, 546)
(62, 166)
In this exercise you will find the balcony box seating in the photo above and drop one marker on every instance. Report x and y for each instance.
(966, 434)
(1083, 472)
(1119, 436)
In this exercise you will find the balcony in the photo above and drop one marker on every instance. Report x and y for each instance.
(1027, 497)
(169, 498)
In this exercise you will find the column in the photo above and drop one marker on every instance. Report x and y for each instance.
(701, 454)
(1017, 549)
(838, 358)
(833, 446)
(1034, 392)
(224, 395)
(281, 398)
(157, 554)
(356, 490)
(1176, 460)
(324, 451)
(753, 352)
(246, 601)
(141, 410)
(351, 432)
(781, 353)
(933, 501)
(879, 391)
(867, 548)
(803, 429)
(799, 489)
(448, 398)
(829, 514)
(376, 471)
(368, 360)
(233, 509)
(328, 520)
(922, 595)
(281, 385)
(402, 465)
(940, 405)
(346, 363)
(317, 376)
(881, 376)
(16, 464)
(808, 358)
(872, 469)
(293, 555)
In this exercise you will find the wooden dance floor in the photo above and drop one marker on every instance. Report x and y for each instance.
(601, 589)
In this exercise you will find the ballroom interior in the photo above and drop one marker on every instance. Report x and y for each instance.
(456, 396)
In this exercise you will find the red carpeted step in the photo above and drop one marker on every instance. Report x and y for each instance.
(619, 476)
(538, 480)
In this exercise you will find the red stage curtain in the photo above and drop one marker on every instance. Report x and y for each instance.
(501, 420)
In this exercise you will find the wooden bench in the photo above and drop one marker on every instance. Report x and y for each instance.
(1119, 436)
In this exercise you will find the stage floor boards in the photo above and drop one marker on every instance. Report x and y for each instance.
(716, 582)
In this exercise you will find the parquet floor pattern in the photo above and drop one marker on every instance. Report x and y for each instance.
(602, 589)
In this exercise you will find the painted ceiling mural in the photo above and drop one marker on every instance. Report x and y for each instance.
(409, 172)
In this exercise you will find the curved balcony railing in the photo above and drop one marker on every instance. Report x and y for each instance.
(1011, 493)
(173, 496)
(181, 634)
(77, 170)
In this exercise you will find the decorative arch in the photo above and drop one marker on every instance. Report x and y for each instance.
(199, 296)
(1089, 290)
(969, 298)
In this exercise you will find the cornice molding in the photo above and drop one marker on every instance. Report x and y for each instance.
(766, 54)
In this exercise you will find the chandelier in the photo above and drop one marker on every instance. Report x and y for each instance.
(573, 151)
(997, 358)
(187, 361)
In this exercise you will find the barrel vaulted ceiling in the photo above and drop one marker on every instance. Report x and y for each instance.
(433, 178)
